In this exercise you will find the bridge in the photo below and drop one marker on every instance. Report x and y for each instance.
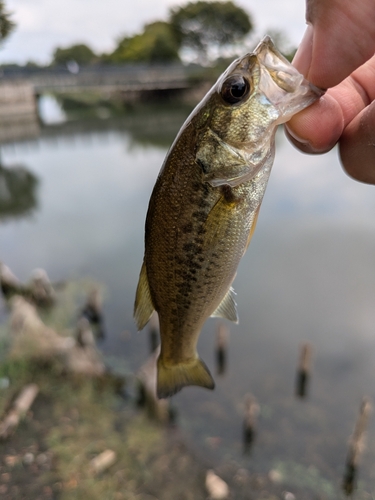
(102, 78)
(20, 88)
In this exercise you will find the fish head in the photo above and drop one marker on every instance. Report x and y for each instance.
(240, 114)
(281, 83)
(258, 91)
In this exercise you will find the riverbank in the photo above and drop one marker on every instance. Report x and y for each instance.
(70, 423)
(76, 417)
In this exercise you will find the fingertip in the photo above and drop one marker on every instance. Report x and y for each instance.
(301, 144)
(317, 128)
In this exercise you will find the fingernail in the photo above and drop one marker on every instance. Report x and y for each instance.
(300, 143)
(303, 56)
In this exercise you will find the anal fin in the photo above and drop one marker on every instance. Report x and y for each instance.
(227, 308)
(143, 307)
(171, 379)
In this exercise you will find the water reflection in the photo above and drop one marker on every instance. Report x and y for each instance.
(155, 125)
(18, 192)
(146, 125)
(49, 110)
(18, 130)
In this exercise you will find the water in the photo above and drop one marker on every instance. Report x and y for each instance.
(309, 275)
(49, 110)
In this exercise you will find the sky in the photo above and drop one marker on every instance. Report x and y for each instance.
(43, 25)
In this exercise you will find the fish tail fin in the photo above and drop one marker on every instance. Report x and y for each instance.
(171, 379)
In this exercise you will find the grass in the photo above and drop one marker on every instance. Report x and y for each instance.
(73, 419)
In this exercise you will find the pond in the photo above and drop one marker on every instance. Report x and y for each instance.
(308, 276)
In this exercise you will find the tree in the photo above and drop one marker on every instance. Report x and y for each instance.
(6, 24)
(155, 44)
(204, 26)
(80, 53)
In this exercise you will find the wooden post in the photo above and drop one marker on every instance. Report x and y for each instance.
(84, 334)
(154, 332)
(356, 447)
(222, 334)
(303, 370)
(157, 409)
(93, 311)
(250, 418)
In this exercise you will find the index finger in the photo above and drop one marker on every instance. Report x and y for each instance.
(339, 39)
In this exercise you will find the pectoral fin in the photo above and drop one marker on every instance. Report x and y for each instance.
(227, 308)
(143, 307)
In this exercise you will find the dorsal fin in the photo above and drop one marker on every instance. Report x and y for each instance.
(143, 307)
(227, 308)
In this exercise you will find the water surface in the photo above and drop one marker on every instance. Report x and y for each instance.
(309, 275)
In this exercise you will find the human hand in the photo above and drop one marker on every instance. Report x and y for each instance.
(338, 51)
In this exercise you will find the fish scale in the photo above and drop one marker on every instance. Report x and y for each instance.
(204, 206)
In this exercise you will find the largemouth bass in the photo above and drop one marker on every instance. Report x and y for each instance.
(204, 206)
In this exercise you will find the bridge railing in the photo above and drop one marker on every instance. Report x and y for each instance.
(138, 76)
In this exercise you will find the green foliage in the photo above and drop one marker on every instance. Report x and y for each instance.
(6, 24)
(155, 44)
(33, 64)
(80, 53)
(202, 25)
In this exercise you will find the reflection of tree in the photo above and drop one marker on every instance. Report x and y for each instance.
(147, 124)
(17, 192)
(153, 125)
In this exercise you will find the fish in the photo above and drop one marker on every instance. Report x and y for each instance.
(205, 203)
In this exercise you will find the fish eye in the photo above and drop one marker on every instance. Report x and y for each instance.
(235, 89)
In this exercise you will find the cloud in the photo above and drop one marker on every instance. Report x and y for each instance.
(42, 25)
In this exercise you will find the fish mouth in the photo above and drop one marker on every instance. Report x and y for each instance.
(282, 84)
